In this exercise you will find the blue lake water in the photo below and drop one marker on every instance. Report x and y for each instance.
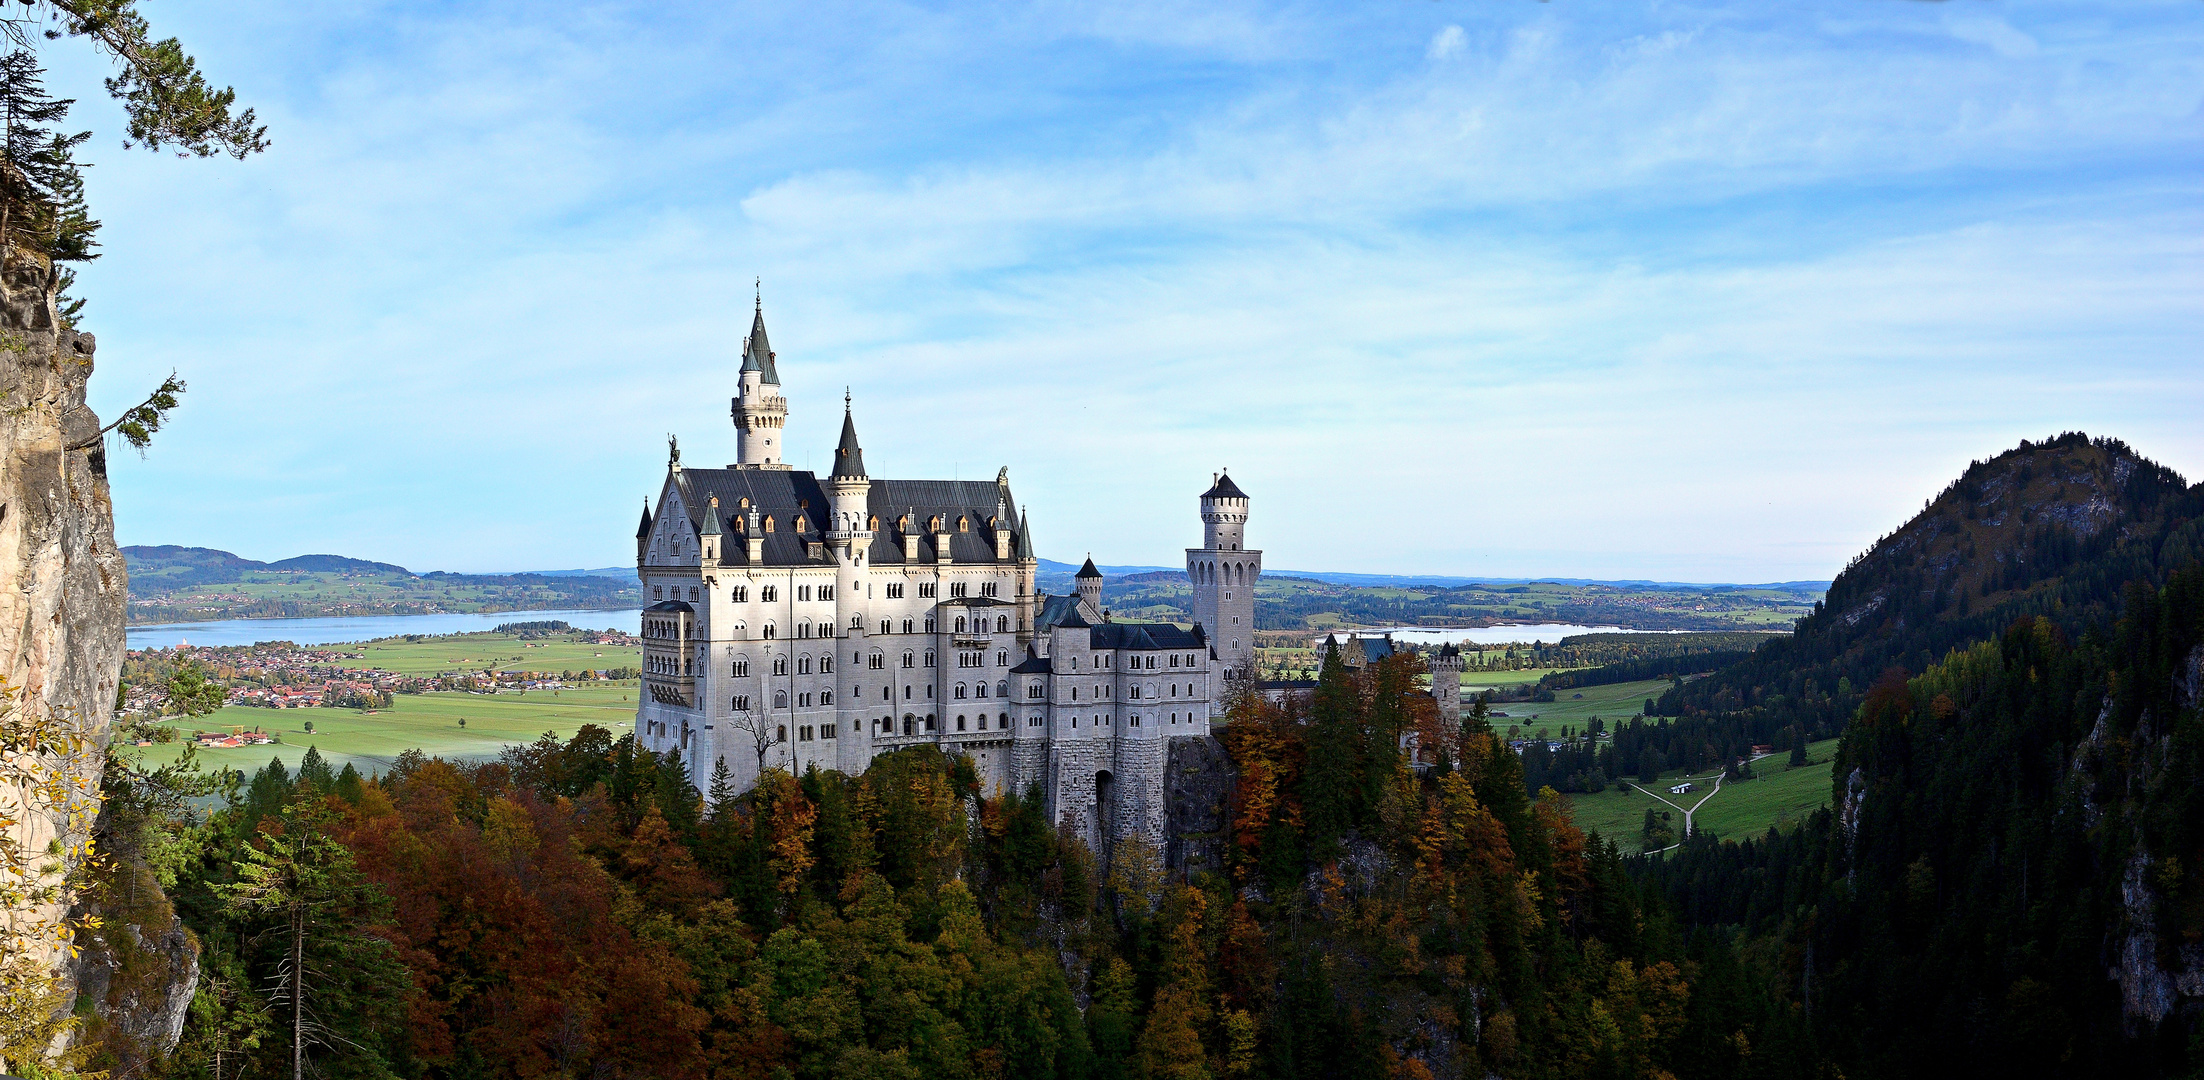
(1549, 633)
(364, 627)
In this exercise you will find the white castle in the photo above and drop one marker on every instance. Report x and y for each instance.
(796, 620)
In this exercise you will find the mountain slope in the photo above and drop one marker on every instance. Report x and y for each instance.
(2055, 529)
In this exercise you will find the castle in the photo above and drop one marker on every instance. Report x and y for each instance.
(796, 620)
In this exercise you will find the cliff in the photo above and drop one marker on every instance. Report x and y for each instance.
(62, 581)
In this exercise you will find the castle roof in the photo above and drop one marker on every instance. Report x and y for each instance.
(1059, 611)
(642, 532)
(1031, 665)
(1088, 571)
(849, 458)
(757, 353)
(710, 525)
(1143, 637)
(786, 495)
(665, 606)
(1224, 488)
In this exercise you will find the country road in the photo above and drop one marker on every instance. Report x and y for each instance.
(1694, 807)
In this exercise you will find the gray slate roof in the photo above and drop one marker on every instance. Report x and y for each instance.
(757, 353)
(785, 494)
(1144, 637)
(1224, 488)
(849, 458)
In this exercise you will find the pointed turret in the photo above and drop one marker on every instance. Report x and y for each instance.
(642, 532)
(708, 535)
(759, 410)
(1087, 583)
(849, 458)
(711, 519)
(757, 352)
(1025, 536)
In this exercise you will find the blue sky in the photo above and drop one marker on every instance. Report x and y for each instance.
(1682, 291)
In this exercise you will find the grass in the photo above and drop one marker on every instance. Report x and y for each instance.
(1778, 795)
(370, 741)
(1614, 703)
(474, 652)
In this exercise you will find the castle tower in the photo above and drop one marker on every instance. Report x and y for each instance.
(1223, 573)
(1446, 684)
(759, 409)
(849, 536)
(1088, 584)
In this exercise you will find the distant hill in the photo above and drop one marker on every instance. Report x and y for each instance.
(188, 584)
(2057, 528)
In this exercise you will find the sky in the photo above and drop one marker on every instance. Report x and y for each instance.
(1683, 291)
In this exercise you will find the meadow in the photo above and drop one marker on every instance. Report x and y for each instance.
(1778, 795)
(1614, 703)
(370, 740)
(432, 655)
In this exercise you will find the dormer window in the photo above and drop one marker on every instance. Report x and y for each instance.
(801, 524)
(873, 523)
(768, 523)
(964, 524)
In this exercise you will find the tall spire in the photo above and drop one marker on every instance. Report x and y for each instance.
(711, 519)
(757, 352)
(642, 532)
(849, 458)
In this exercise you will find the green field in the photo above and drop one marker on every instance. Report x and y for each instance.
(474, 652)
(426, 722)
(1778, 795)
(1613, 703)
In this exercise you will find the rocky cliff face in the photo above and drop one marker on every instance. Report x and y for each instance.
(62, 581)
(1197, 781)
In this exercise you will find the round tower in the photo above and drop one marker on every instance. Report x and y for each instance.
(1223, 573)
(759, 410)
(1088, 584)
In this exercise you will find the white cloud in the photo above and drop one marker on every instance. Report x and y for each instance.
(1445, 43)
(1995, 33)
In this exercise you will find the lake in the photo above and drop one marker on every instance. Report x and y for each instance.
(1498, 635)
(365, 627)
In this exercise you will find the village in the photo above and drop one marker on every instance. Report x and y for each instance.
(285, 675)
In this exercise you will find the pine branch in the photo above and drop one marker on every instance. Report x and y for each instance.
(139, 422)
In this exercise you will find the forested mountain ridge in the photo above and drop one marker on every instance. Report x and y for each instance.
(191, 584)
(2055, 528)
(2010, 880)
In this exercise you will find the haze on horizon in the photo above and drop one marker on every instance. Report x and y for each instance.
(1699, 292)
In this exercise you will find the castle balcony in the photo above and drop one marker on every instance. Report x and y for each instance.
(671, 689)
(967, 641)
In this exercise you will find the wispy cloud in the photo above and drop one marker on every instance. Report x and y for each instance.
(1703, 291)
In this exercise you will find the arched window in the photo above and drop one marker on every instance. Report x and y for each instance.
(960, 624)
(960, 690)
(885, 625)
(964, 524)
(906, 626)
(1002, 689)
(1002, 659)
(960, 721)
(771, 631)
(929, 624)
(857, 622)
(768, 523)
(929, 658)
(980, 690)
(872, 524)
(907, 659)
(803, 665)
(826, 663)
(780, 665)
(826, 697)
(780, 699)
(1002, 624)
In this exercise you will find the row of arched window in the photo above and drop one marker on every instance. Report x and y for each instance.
(1208, 573)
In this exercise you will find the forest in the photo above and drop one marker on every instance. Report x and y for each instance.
(577, 909)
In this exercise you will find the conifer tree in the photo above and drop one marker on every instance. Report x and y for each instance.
(1330, 785)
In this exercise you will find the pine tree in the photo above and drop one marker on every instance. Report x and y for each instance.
(1331, 783)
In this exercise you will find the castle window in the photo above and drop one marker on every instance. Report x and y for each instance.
(826, 664)
(895, 590)
(658, 592)
(826, 697)
(964, 524)
(803, 701)
(780, 665)
(960, 690)
(741, 703)
(1002, 624)
(826, 629)
(1033, 721)
(933, 524)
(780, 701)
(956, 589)
(780, 733)
(885, 626)
(1033, 691)
(1002, 659)
(741, 669)
(929, 624)
(980, 690)
(929, 721)
(909, 723)
(770, 632)
(692, 592)
(927, 590)
(1136, 721)
(768, 523)
(739, 594)
(801, 523)
(803, 629)
(872, 524)
(826, 592)
(769, 593)
(906, 626)
(828, 731)
(960, 624)
(929, 658)
(803, 734)
(1075, 693)
(906, 659)
(857, 622)
(876, 662)
(803, 665)
(960, 722)
(1002, 689)
(987, 588)
(803, 592)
